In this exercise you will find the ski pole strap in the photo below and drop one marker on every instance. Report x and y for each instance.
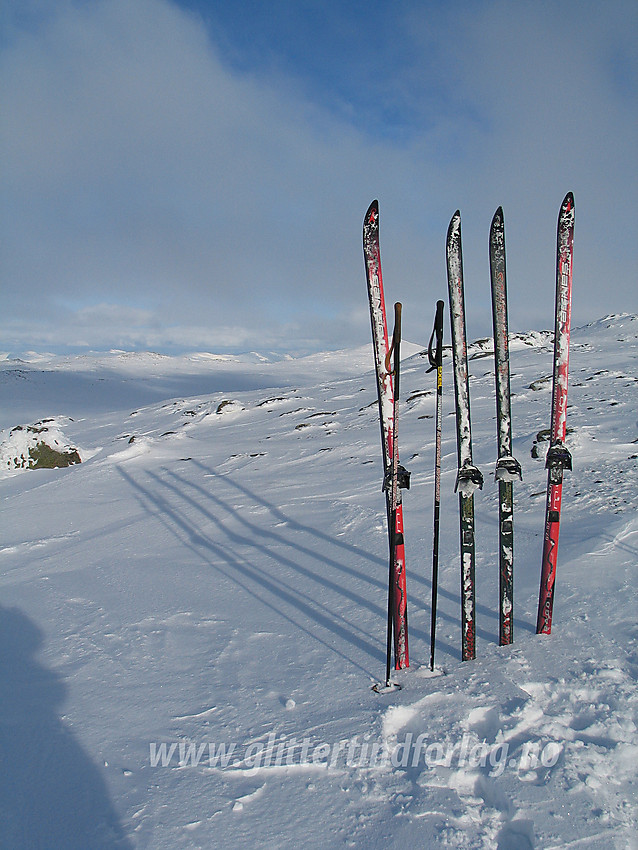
(388, 368)
(435, 355)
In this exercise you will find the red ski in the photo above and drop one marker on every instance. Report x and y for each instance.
(558, 456)
(397, 595)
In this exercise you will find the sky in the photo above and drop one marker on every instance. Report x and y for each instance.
(193, 175)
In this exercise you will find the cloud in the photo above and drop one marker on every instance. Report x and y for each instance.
(539, 110)
(143, 175)
(137, 166)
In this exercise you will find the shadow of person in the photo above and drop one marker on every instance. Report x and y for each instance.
(51, 793)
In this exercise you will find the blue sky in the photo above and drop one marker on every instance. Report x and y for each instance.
(193, 175)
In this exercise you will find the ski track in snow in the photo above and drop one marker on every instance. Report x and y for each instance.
(215, 572)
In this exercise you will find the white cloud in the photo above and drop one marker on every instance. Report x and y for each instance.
(140, 171)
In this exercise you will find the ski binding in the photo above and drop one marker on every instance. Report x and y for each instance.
(557, 461)
(469, 479)
(508, 469)
(403, 479)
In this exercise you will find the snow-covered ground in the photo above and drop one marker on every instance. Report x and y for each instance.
(192, 618)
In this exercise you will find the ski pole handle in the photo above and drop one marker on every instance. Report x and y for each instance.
(398, 307)
(396, 336)
(435, 355)
(396, 339)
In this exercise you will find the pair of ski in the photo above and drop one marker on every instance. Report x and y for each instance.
(469, 478)
(507, 468)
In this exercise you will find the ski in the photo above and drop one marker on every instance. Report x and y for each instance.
(508, 469)
(558, 456)
(397, 595)
(469, 478)
(435, 358)
(391, 487)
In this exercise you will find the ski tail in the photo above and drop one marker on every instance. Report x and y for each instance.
(558, 456)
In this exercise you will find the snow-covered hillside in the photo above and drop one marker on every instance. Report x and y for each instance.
(192, 618)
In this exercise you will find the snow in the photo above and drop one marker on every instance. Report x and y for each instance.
(193, 617)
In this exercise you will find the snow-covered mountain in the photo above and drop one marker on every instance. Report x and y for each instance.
(192, 618)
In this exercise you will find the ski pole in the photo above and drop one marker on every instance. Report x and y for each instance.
(435, 357)
(393, 583)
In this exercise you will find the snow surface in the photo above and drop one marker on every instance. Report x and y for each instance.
(214, 574)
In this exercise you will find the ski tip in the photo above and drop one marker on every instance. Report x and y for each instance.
(455, 223)
(497, 220)
(566, 215)
(372, 213)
